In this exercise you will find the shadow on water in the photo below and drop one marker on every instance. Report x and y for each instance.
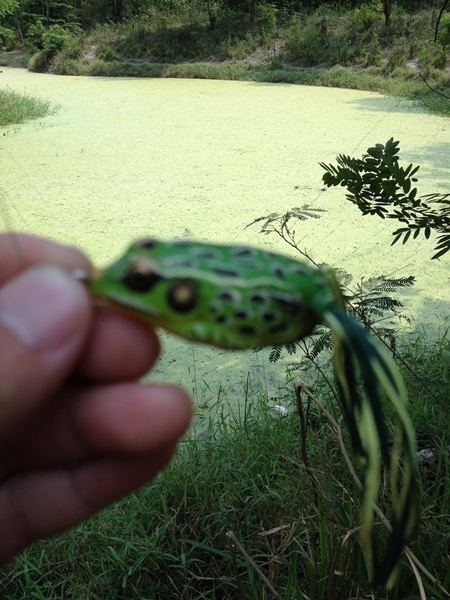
(386, 104)
(431, 313)
(434, 164)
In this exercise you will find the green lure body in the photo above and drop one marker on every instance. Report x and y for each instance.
(229, 296)
(239, 297)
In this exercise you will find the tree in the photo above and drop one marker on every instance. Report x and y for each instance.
(7, 7)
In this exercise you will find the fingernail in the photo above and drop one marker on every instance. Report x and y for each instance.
(42, 307)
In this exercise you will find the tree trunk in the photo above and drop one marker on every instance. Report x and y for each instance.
(46, 12)
(441, 12)
(211, 16)
(19, 29)
(253, 11)
(387, 4)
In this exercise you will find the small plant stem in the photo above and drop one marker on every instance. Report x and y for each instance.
(303, 424)
(232, 538)
(232, 549)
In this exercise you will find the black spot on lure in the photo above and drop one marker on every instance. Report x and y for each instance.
(239, 297)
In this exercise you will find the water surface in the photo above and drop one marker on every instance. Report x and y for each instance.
(129, 158)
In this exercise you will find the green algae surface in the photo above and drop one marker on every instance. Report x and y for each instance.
(131, 158)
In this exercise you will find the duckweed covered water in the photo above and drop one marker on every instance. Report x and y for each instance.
(130, 158)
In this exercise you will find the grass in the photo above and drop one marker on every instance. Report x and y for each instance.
(16, 108)
(16, 59)
(249, 512)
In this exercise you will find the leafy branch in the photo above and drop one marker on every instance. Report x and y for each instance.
(368, 301)
(378, 185)
(279, 223)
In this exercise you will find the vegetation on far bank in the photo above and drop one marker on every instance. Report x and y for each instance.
(279, 41)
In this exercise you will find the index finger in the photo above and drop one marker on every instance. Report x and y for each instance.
(18, 252)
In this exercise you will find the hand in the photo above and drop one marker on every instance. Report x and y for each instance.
(77, 431)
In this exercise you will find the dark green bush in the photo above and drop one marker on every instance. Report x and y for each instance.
(55, 38)
(365, 18)
(267, 17)
(432, 56)
(106, 53)
(8, 38)
(52, 39)
(398, 55)
(374, 57)
(444, 31)
(321, 40)
(34, 35)
(73, 48)
(39, 61)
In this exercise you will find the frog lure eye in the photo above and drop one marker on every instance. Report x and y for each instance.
(238, 297)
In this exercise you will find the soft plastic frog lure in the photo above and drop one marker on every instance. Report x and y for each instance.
(239, 297)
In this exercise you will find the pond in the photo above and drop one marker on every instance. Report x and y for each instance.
(129, 158)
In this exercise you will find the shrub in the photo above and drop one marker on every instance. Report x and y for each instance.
(73, 48)
(432, 56)
(106, 53)
(374, 57)
(444, 31)
(55, 38)
(267, 17)
(35, 35)
(398, 55)
(398, 23)
(317, 42)
(364, 18)
(8, 38)
(38, 61)
(47, 41)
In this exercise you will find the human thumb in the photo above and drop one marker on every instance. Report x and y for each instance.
(44, 322)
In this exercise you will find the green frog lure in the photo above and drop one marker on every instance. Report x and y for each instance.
(238, 297)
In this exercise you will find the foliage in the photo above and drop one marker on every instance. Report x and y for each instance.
(398, 54)
(320, 40)
(368, 301)
(431, 56)
(55, 38)
(365, 18)
(8, 38)
(48, 42)
(302, 27)
(38, 63)
(51, 39)
(268, 14)
(7, 7)
(35, 34)
(283, 489)
(444, 31)
(275, 221)
(378, 185)
(17, 108)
